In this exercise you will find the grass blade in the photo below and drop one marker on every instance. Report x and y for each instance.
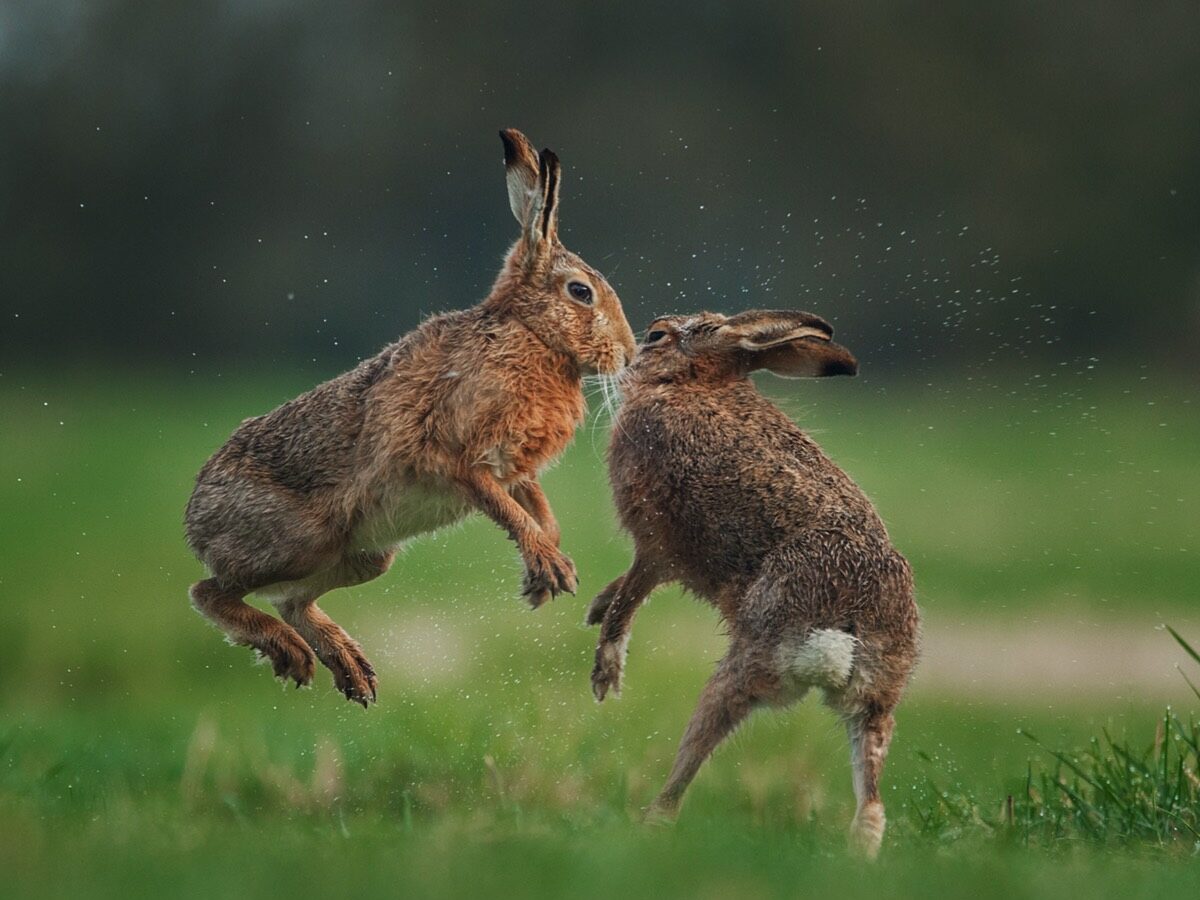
(1191, 651)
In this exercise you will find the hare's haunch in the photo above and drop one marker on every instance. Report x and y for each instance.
(461, 414)
(724, 494)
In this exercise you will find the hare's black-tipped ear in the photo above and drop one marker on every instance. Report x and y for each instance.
(520, 172)
(549, 179)
(541, 219)
(533, 180)
(807, 357)
(791, 344)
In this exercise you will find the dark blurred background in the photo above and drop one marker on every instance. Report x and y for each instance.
(201, 184)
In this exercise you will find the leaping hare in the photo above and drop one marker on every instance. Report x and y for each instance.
(724, 494)
(461, 414)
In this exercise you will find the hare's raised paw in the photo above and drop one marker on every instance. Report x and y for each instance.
(548, 574)
(610, 666)
(353, 674)
(290, 658)
(536, 598)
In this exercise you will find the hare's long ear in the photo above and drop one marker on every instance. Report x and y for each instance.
(533, 181)
(791, 344)
(549, 179)
(520, 172)
(541, 219)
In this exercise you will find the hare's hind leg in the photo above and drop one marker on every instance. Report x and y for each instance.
(739, 685)
(870, 733)
(290, 656)
(353, 673)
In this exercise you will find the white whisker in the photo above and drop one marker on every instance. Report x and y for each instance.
(609, 391)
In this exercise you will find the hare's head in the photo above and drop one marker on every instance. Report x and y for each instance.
(713, 347)
(558, 296)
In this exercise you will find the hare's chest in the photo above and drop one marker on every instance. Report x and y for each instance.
(683, 488)
(536, 436)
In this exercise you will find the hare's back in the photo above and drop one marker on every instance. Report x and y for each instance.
(754, 462)
(307, 443)
(717, 486)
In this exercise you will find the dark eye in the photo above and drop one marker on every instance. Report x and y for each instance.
(580, 291)
(655, 336)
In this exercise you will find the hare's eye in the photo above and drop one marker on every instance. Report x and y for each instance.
(655, 336)
(580, 291)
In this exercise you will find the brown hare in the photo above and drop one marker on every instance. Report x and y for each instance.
(724, 494)
(461, 414)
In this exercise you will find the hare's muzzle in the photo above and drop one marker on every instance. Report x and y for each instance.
(837, 360)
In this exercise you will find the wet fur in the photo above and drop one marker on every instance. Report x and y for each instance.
(724, 494)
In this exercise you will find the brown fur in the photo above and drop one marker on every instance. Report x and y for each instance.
(724, 494)
(462, 414)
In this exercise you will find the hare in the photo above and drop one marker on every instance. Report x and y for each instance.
(724, 494)
(461, 414)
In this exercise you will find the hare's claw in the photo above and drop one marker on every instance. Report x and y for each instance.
(547, 575)
(353, 674)
(290, 657)
(537, 597)
(566, 575)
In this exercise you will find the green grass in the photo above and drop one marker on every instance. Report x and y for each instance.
(1115, 791)
(139, 753)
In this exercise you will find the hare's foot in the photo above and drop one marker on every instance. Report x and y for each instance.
(548, 573)
(290, 657)
(660, 814)
(870, 735)
(610, 666)
(353, 673)
(866, 831)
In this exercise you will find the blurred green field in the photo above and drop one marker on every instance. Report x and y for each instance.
(139, 753)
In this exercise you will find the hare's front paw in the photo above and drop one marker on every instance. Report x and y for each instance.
(610, 666)
(601, 603)
(548, 573)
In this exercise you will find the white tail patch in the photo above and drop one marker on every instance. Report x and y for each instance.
(825, 658)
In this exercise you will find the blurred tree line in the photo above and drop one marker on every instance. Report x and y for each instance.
(216, 182)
